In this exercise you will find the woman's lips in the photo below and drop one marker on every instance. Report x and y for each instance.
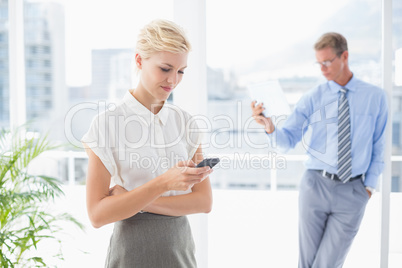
(167, 89)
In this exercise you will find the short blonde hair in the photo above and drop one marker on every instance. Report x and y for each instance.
(161, 35)
(334, 40)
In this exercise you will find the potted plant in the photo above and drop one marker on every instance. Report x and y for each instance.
(25, 219)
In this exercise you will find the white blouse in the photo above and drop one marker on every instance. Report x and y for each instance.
(136, 145)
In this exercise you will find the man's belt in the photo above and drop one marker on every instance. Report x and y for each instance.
(335, 177)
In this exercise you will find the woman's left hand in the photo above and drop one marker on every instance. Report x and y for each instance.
(116, 190)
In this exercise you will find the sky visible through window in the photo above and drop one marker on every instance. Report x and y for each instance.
(239, 33)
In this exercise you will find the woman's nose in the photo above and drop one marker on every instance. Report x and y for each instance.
(172, 79)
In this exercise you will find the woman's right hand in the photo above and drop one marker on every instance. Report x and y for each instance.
(184, 175)
(260, 118)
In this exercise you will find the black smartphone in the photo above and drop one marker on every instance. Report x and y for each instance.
(211, 162)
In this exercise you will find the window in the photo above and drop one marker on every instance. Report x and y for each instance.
(33, 78)
(269, 41)
(46, 35)
(47, 77)
(396, 134)
(47, 104)
(33, 49)
(32, 91)
(395, 184)
(30, 63)
(4, 52)
(397, 88)
(269, 46)
(3, 13)
(46, 49)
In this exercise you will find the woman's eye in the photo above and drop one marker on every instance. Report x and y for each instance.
(181, 72)
(165, 70)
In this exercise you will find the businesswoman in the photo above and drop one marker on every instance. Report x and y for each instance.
(148, 149)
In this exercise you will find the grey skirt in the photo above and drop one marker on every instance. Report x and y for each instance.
(151, 240)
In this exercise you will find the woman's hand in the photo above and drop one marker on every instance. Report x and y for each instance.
(260, 118)
(116, 190)
(184, 175)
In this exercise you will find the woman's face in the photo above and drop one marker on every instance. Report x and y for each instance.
(161, 73)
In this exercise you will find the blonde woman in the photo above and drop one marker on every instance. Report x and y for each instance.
(149, 150)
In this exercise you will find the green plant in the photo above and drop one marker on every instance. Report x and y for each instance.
(25, 219)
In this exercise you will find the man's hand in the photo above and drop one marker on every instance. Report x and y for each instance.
(260, 118)
(369, 193)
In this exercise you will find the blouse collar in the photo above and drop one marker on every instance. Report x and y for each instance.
(140, 109)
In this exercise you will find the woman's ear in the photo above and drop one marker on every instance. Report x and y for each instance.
(138, 61)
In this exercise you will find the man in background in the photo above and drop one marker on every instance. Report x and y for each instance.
(346, 120)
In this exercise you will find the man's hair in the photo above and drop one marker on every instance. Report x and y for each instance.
(161, 35)
(334, 40)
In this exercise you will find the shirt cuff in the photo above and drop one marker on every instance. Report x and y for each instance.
(371, 180)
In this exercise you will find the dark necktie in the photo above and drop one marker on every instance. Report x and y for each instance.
(344, 144)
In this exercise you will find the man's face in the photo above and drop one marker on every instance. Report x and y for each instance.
(335, 69)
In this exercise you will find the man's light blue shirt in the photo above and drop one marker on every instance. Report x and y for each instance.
(314, 122)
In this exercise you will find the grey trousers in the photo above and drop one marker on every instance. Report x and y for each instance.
(149, 240)
(330, 213)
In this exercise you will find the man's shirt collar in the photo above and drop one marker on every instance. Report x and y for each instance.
(350, 86)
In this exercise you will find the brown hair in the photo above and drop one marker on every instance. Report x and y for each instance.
(334, 40)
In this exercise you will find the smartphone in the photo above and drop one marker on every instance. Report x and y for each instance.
(211, 162)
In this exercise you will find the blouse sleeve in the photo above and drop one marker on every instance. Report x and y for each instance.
(96, 140)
